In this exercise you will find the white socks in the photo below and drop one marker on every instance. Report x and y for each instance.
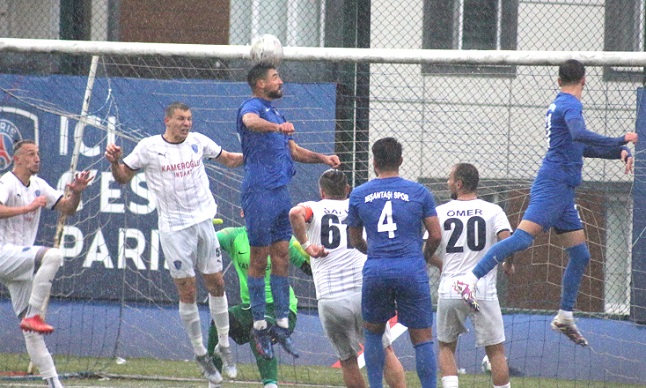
(260, 325)
(565, 315)
(40, 356)
(450, 382)
(283, 322)
(191, 317)
(219, 307)
(508, 385)
(42, 283)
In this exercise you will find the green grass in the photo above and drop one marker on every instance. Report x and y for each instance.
(139, 373)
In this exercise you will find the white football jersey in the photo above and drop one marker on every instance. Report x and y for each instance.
(341, 270)
(22, 229)
(175, 173)
(469, 229)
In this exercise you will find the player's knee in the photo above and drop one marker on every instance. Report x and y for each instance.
(53, 257)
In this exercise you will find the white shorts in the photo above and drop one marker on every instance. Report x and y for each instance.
(488, 324)
(17, 272)
(195, 247)
(343, 325)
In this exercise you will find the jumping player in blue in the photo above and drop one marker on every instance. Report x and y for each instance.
(269, 154)
(551, 203)
(393, 211)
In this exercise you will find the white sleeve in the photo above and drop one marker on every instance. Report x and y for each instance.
(52, 195)
(136, 160)
(4, 192)
(211, 149)
(501, 222)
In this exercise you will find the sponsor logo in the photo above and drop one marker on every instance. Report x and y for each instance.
(9, 134)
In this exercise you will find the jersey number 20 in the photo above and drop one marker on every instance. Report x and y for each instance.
(476, 234)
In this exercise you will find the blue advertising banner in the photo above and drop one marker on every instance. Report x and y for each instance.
(112, 245)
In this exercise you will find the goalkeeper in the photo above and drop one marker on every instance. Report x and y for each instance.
(235, 242)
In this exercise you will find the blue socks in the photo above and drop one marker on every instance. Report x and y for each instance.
(280, 293)
(518, 241)
(375, 358)
(579, 258)
(425, 364)
(257, 297)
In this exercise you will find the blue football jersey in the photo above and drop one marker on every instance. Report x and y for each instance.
(567, 139)
(268, 162)
(391, 210)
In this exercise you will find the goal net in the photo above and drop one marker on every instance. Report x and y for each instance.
(114, 300)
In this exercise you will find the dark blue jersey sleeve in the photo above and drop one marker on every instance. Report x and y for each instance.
(604, 152)
(579, 133)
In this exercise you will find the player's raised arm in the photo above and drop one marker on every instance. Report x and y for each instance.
(121, 173)
(255, 123)
(70, 202)
(304, 155)
(298, 216)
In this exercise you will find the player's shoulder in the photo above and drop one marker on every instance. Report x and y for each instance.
(151, 141)
(251, 104)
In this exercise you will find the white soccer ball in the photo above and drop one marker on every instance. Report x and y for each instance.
(485, 366)
(266, 50)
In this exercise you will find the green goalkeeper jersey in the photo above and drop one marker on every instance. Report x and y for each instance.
(235, 243)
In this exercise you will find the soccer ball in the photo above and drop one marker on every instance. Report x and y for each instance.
(266, 50)
(485, 365)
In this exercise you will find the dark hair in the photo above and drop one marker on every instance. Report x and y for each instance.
(257, 73)
(170, 109)
(333, 182)
(19, 144)
(387, 153)
(468, 174)
(571, 72)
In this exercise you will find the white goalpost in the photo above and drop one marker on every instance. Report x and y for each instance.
(113, 298)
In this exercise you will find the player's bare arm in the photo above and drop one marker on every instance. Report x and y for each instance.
(230, 159)
(357, 240)
(432, 225)
(12, 211)
(298, 216)
(304, 155)
(255, 123)
(121, 173)
(70, 202)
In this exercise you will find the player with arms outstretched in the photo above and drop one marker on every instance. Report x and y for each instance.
(470, 226)
(175, 173)
(551, 201)
(393, 211)
(269, 154)
(26, 269)
(320, 228)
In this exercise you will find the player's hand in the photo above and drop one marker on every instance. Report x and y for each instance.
(628, 160)
(316, 251)
(333, 161)
(631, 137)
(286, 128)
(80, 182)
(37, 203)
(113, 153)
(508, 268)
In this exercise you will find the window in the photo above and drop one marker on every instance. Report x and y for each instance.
(624, 31)
(470, 25)
(295, 22)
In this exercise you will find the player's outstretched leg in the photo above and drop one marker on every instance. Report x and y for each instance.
(41, 286)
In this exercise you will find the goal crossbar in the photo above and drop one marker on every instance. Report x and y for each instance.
(371, 55)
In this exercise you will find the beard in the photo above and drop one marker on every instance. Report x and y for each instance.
(275, 94)
(454, 195)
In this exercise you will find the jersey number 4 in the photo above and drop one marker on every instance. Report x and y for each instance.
(385, 223)
(476, 234)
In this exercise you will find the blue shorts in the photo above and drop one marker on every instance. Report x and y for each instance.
(398, 285)
(266, 216)
(551, 205)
